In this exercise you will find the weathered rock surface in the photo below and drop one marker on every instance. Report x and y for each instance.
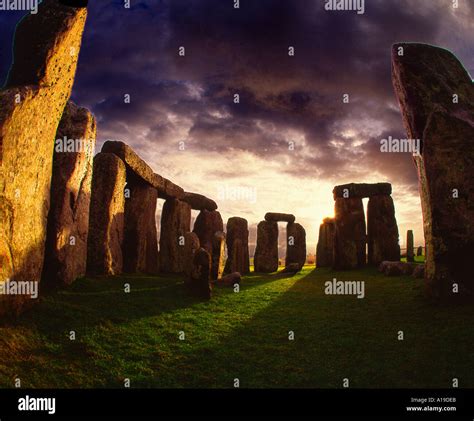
(436, 96)
(295, 245)
(382, 230)
(218, 255)
(410, 246)
(199, 202)
(206, 225)
(361, 190)
(292, 268)
(68, 219)
(231, 279)
(279, 217)
(200, 285)
(191, 246)
(140, 247)
(397, 268)
(266, 251)
(325, 247)
(106, 217)
(31, 106)
(166, 189)
(350, 237)
(175, 223)
(237, 246)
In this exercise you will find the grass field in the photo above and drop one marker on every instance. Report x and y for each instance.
(240, 335)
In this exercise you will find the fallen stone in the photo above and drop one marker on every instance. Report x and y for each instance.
(292, 268)
(199, 202)
(31, 105)
(437, 104)
(175, 223)
(266, 251)
(279, 217)
(397, 268)
(325, 247)
(218, 255)
(237, 246)
(140, 248)
(68, 220)
(231, 279)
(382, 230)
(295, 245)
(362, 190)
(350, 237)
(106, 217)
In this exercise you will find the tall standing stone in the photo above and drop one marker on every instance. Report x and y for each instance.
(266, 251)
(437, 104)
(175, 223)
(295, 245)
(410, 246)
(68, 220)
(237, 246)
(200, 284)
(382, 230)
(325, 247)
(191, 246)
(350, 237)
(140, 247)
(106, 217)
(46, 50)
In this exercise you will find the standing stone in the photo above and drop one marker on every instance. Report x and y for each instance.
(31, 105)
(237, 246)
(175, 223)
(140, 247)
(437, 104)
(382, 230)
(419, 251)
(325, 247)
(200, 285)
(206, 225)
(266, 251)
(350, 238)
(68, 219)
(295, 245)
(191, 246)
(106, 217)
(218, 255)
(410, 246)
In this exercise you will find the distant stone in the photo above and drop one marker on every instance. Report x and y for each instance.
(419, 251)
(31, 105)
(68, 219)
(436, 96)
(218, 255)
(295, 245)
(279, 217)
(382, 230)
(106, 219)
(199, 202)
(350, 237)
(410, 246)
(362, 190)
(266, 251)
(325, 247)
(231, 279)
(175, 223)
(237, 246)
(397, 268)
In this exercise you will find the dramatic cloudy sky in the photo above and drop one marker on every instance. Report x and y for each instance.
(241, 154)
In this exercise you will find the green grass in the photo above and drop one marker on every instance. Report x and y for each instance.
(240, 335)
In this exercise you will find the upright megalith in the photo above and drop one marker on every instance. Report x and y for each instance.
(410, 246)
(140, 246)
(295, 245)
(175, 223)
(279, 217)
(350, 238)
(191, 246)
(68, 219)
(237, 246)
(266, 251)
(200, 283)
(325, 247)
(106, 217)
(436, 96)
(46, 50)
(218, 255)
(382, 230)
